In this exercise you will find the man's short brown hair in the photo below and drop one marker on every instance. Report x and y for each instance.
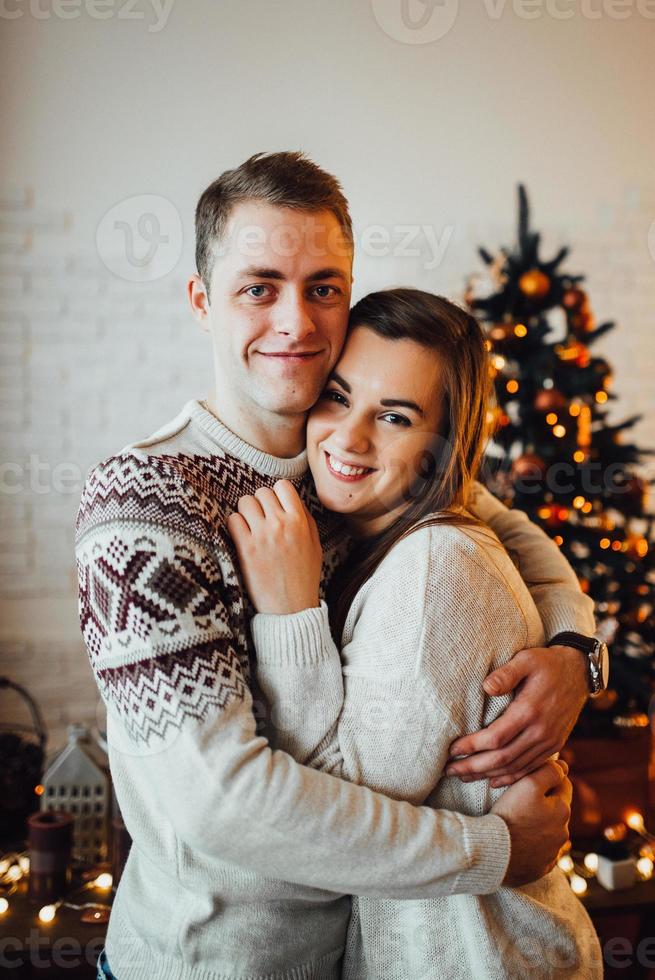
(285, 180)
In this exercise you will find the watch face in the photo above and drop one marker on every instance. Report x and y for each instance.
(603, 665)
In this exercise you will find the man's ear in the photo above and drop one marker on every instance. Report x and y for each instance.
(198, 300)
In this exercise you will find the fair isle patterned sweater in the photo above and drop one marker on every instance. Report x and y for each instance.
(242, 858)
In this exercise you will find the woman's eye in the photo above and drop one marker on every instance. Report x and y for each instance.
(334, 396)
(257, 292)
(396, 419)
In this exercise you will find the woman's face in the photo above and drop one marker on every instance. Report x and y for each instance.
(368, 433)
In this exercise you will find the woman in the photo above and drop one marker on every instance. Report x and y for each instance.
(430, 602)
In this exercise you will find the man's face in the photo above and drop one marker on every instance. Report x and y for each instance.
(278, 308)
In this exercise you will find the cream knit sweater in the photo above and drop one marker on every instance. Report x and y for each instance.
(444, 608)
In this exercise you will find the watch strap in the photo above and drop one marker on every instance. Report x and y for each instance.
(587, 644)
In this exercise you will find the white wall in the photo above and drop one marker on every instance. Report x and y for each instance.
(98, 111)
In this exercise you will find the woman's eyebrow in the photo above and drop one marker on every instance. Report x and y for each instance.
(402, 403)
(340, 381)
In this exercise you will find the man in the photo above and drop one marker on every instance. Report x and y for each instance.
(242, 858)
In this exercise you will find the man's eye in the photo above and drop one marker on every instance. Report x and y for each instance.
(257, 292)
(325, 292)
(396, 419)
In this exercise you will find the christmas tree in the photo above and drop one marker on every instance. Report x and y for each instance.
(555, 454)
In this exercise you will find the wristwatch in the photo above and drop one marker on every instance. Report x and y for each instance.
(597, 655)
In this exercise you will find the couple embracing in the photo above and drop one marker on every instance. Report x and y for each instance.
(307, 629)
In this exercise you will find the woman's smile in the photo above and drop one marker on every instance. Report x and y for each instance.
(340, 469)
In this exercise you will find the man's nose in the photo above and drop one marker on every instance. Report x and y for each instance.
(293, 319)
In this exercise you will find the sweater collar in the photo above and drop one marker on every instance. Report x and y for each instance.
(230, 442)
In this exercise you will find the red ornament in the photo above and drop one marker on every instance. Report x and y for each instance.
(549, 400)
(574, 298)
(631, 494)
(530, 466)
(534, 284)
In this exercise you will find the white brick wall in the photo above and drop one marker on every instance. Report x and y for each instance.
(89, 362)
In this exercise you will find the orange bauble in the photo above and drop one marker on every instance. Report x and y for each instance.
(534, 284)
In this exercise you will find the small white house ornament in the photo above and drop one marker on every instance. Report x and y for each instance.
(77, 782)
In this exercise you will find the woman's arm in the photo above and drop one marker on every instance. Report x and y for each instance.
(412, 668)
(377, 722)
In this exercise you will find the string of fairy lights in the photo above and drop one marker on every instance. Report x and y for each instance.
(579, 872)
(15, 868)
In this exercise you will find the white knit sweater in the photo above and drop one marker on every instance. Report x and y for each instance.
(444, 608)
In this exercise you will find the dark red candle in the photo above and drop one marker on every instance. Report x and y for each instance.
(50, 844)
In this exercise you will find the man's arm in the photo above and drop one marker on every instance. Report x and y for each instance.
(552, 582)
(551, 684)
(159, 609)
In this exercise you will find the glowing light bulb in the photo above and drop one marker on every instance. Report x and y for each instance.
(4, 867)
(605, 543)
(645, 867)
(4, 905)
(591, 862)
(520, 330)
(578, 456)
(551, 418)
(566, 863)
(512, 386)
(14, 873)
(578, 502)
(47, 913)
(635, 821)
(104, 880)
(24, 863)
(601, 397)
(559, 431)
(578, 885)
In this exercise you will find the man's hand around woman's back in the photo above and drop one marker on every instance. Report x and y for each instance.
(537, 811)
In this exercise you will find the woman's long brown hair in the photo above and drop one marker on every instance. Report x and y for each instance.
(444, 474)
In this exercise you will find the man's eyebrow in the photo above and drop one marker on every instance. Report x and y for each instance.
(402, 403)
(340, 381)
(260, 272)
(328, 273)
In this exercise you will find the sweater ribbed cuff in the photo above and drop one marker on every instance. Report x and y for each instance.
(301, 639)
(488, 845)
(565, 617)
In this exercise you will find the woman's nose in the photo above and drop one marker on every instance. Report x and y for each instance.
(352, 437)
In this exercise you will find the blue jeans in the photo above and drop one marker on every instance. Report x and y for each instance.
(104, 973)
